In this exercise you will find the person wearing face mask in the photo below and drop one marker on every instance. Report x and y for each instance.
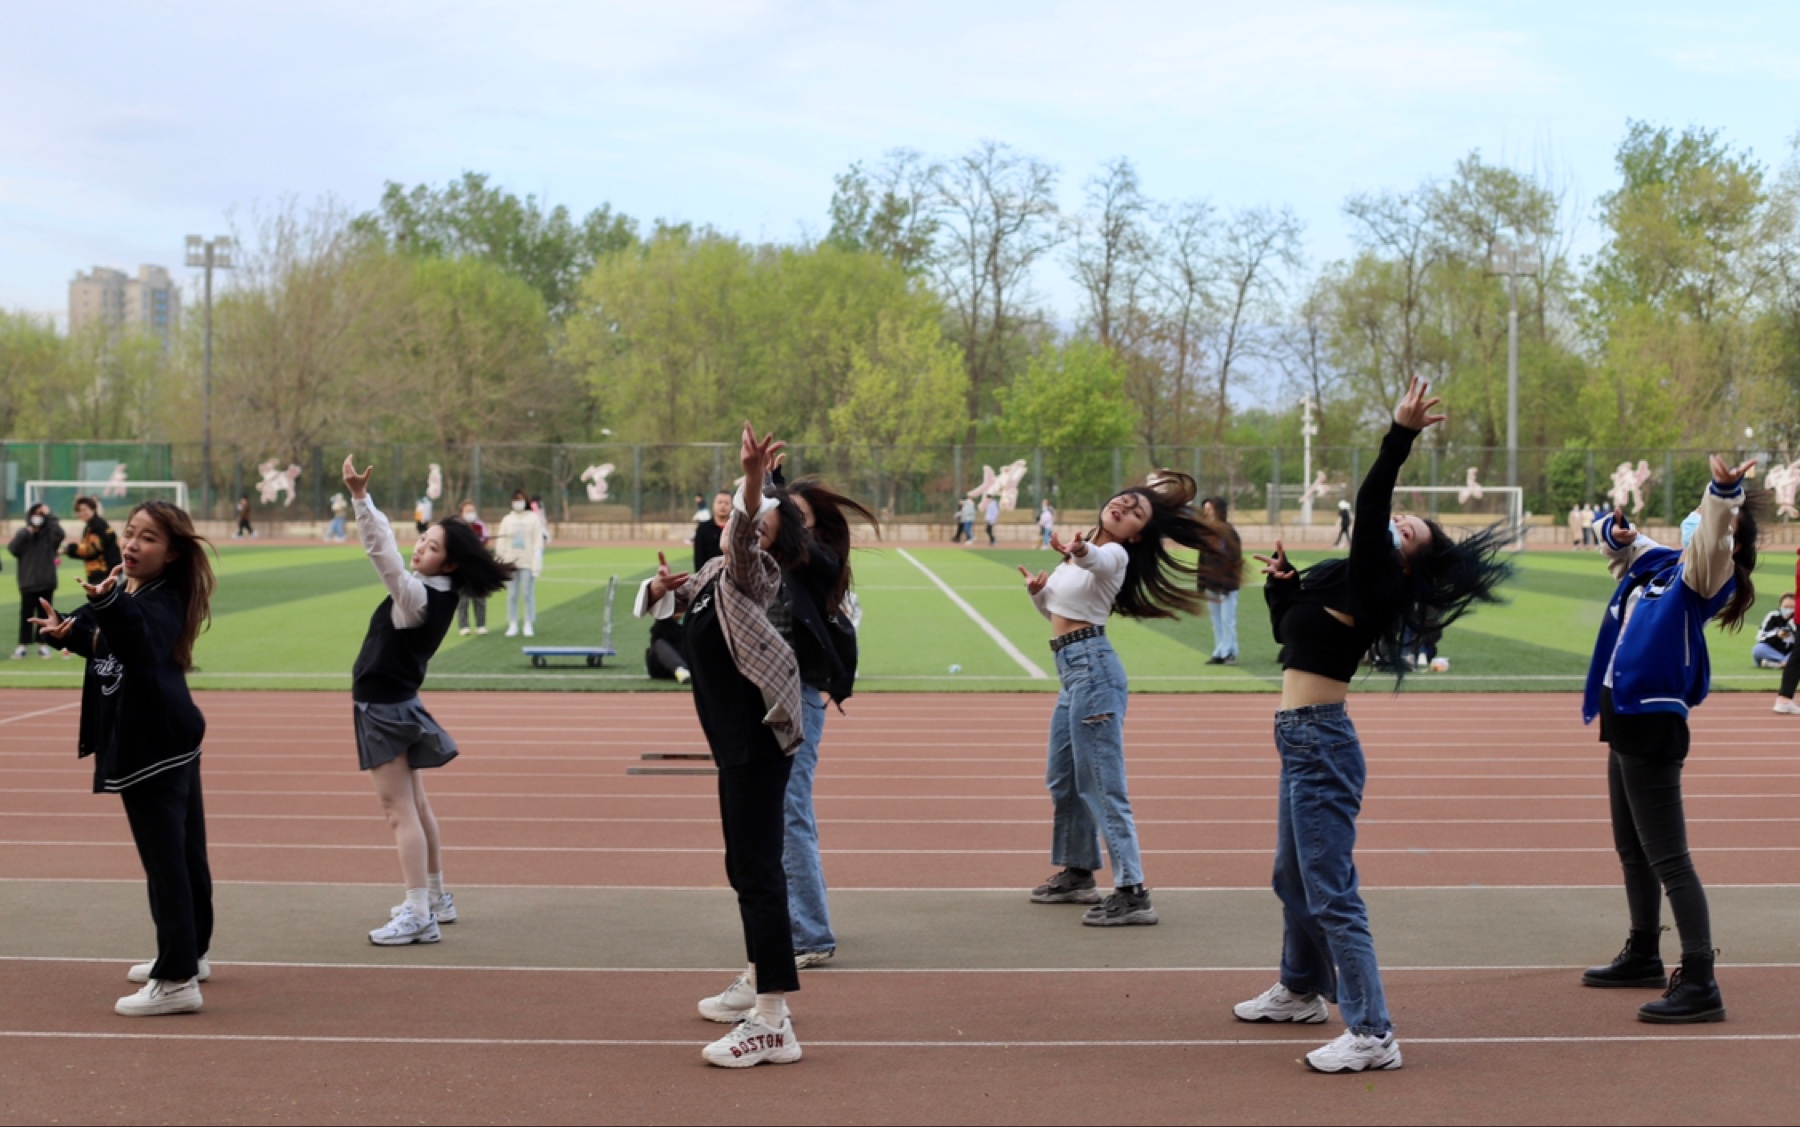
(1124, 567)
(36, 546)
(1775, 639)
(469, 598)
(1402, 575)
(521, 543)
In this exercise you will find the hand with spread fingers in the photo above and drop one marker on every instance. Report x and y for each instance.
(105, 586)
(52, 625)
(665, 580)
(1726, 477)
(357, 482)
(1277, 567)
(1034, 583)
(1622, 532)
(1414, 411)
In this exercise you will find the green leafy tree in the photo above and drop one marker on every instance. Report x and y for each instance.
(1071, 401)
(31, 356)
(904, 398)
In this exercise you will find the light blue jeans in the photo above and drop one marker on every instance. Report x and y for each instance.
(1763, 651)
(521, 598)
(1086, 772)
(810, 916)
(1223, 608)
(1326, 947)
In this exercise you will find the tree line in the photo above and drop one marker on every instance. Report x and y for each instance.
(463, 313)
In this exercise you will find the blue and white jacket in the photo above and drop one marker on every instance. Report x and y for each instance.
(1660, 665)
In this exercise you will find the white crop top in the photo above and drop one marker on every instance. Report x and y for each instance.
(1083, 588)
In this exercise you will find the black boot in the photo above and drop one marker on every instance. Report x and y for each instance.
(1692, 997)
(1639, 964)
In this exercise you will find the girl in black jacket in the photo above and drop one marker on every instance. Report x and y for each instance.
(141, 726)
(35, 546)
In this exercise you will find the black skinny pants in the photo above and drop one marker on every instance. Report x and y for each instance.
(168, 823)
(752, 803)
(1790, 676)
(1643, 777)
(28, 610)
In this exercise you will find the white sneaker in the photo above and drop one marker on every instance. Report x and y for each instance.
(753, 1041)
(805, 960)
(407, 927)
(20, 652)
(1356, 1052)
(46, 651)
(1278, 1003)
(481, 630)
(159, 997)
(464, 631)
(1786, 706)
(735, 1004)
(443, 909)
(529, 632)
(141, 972)
(512, 630)
(682, 676)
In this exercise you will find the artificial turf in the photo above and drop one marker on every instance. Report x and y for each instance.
(293, 617)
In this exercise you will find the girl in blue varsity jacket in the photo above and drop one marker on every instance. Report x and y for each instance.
(1649, 669)
(138, 721)
(395, 737)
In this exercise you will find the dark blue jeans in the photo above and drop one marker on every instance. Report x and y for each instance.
(1326, 946)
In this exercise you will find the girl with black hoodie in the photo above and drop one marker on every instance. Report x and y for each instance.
(35, 546)
(141, 726)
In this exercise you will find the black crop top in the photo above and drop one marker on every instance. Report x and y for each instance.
(1369, 586)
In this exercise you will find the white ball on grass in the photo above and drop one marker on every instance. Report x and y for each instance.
(956, 669)
(1440, 665)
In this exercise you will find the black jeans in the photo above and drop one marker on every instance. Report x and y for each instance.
(1790, 678)
(28, 610)
(752, 805)
(1643, 776)
(168, 823)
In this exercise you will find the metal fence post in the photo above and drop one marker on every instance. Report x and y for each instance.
(1118, 476)
(475, 475)
(637, 484)
(956, 473)
(1669, 486)
(1037, 473)
(1587, 474)
(1275, 485)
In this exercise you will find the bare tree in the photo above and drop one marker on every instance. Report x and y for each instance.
(1305, 350)
(1399, 227)
(998, 218)
(1111, 255)
(1251, 257)
(1184, 282)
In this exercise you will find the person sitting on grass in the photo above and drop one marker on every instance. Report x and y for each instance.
(1775, 640)
(396, 738)
(141, 725)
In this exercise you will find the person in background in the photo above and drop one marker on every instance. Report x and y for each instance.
(98, 548)
(990, 515)
(708, 531)
(1790, 673)
(521, 544)
(1578, 526)
(965, 522)
(1220, 581)
(1046, 523)
(36, 546)
(243, 518)
(537, 561)
(1775, 640)
(422, 515)
(1344, 514)
(334, 532)
(467, 598)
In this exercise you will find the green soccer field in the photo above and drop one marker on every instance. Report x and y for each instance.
(293, 617)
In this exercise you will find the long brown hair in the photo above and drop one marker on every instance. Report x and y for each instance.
(1158, 585)
(189, 572)
(1743, 561)
(831, 527)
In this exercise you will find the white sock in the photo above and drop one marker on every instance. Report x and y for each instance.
(772, 1008)
(434, 884)
(417, 901)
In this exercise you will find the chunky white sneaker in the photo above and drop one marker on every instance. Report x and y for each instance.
(753, 1041)
(738, 1000)
(1278, 1003)
(512, 630)
(407, 927)
(443, 909)
(529, 632)
(20, 652)
(806, 960)
(464, 631)
(481, 630)
(159, 997)
(141, 972)
(1786, 706)
(1356, 1052)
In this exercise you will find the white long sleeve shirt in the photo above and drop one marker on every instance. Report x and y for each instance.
(1082, 588)
(406, 587)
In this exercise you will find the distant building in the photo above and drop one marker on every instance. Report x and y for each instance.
(149, 303)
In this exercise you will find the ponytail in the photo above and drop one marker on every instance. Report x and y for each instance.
(1743, 563)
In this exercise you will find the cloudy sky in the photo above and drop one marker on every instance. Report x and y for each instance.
(127, 126)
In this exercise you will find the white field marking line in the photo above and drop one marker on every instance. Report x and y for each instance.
(41, 712)
(1260, 889)
(272, 964)
(1032, 669)
(1283, 1043)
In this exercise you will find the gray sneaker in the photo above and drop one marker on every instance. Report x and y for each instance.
(1121, 908)
(1071, 886)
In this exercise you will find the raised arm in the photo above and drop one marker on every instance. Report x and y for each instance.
(1706, 562)
(1371, 545)
(377, 535)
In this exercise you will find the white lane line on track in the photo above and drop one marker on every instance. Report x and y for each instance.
(1261, 889)
(1032, 670)
(443, 792)
(41, 712)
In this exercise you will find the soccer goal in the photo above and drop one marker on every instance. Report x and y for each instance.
(1448, 505)
(113, 496)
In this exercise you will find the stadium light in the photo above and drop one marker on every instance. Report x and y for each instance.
(1514, 262)
(209, 255)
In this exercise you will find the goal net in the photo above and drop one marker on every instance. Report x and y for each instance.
(1454, 506)
(115, 498)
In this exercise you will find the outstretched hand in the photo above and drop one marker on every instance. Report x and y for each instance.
(1277, 566)
(1727, 478)
(357, 482)
(665, 580)
(1414, 411)
(51, 625)
(1034, 583)
(1074, 548)
(1622, 532)
(105, 586)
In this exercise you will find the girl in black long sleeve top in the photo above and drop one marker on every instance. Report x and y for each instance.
(1400, 572)
(141, 726)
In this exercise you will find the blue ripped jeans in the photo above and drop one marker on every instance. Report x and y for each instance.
(808, 913)
(1326, 947)
(1086, 772)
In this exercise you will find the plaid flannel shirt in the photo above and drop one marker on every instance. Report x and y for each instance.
(750, 583)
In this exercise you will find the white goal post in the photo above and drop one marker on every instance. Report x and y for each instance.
(113, 496)
(1497, 502)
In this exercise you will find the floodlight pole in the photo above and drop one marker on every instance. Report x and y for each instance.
(207, 255)
(1307, 429)
(1512, 261)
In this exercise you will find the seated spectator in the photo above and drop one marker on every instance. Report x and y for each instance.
(1775, 640)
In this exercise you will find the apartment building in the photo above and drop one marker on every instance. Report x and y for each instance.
(149, 303)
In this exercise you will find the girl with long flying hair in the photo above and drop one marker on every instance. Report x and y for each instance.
(140, 724)
(1122, 566)
(1649, 670)
(1401, 574)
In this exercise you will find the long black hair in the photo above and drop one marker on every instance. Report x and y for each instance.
(188, 571)
(477, 573)
(831, 527)
(1158, 584)
(1743, 560)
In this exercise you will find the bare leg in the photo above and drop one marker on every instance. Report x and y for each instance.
(394, 787)
(434, 850)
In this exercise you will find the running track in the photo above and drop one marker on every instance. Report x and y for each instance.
(593, 918)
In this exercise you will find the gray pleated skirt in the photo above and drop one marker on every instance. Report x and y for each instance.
(385, 732)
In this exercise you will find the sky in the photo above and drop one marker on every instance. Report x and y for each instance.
(129, 126)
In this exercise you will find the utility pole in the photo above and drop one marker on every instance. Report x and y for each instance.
(1308, 429)
(1513, 261)
(208, 255)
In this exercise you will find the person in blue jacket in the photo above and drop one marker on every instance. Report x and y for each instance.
(1649, 670)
